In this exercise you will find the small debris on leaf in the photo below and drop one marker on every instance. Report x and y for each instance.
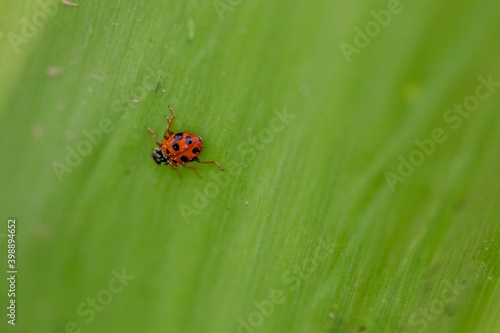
(68, 3)
(54, 71)
(98, 78)
(37, 132)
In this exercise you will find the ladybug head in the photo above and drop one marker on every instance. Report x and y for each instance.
(159, 157)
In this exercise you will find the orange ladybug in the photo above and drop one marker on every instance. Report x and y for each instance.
(178, 149)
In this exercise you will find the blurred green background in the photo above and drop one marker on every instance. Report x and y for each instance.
(302, 232)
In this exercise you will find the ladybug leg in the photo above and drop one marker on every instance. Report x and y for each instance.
(211, 162)
(169, 123)
(154, 136)
(176, 169)
(198, 172)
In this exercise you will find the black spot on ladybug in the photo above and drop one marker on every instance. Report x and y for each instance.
(188, 140)
(168, 152)
(175, 146)
(196, 150)
(178, 136)
(184, 159)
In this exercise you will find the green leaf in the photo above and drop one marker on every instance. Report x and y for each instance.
(360, 144)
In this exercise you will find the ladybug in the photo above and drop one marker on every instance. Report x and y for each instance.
(178, 149)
